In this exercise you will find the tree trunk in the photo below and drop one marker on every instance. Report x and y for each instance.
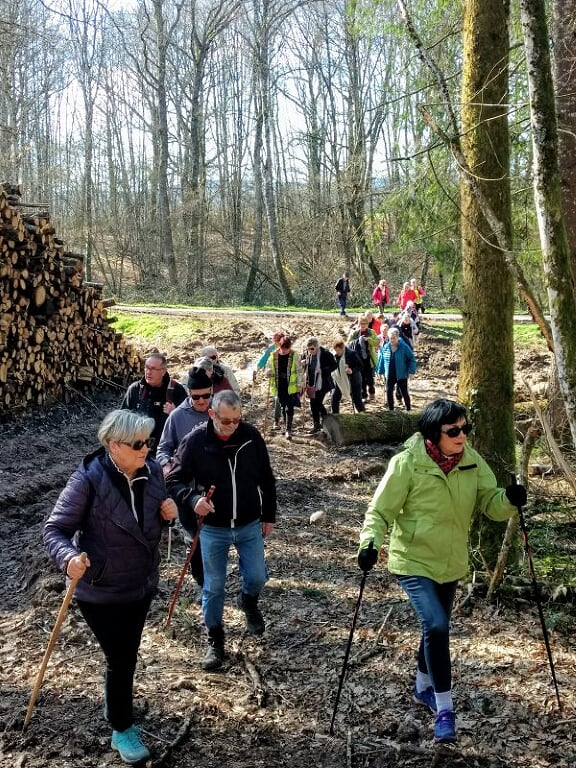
(548, 197)
(486, 381)
(385, 427)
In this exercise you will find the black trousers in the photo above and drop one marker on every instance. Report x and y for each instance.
(391, 382)
(118, 628)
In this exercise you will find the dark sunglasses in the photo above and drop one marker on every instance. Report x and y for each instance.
(227, 422)
(202, 396)
(213, 357)
(455, 431)
(137, 445)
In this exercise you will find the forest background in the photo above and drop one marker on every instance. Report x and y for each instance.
(248, 152)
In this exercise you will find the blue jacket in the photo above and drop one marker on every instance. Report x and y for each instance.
(95, 513)
(404, 360)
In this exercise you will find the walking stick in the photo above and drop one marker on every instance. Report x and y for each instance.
(348, 647)
(50, 647)
(187, 562)
(536, 589)
(266, 407)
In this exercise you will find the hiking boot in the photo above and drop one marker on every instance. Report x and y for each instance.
(425, 697)
(129, 745)
(445, 727)
(316, 428)
(254, 619)
(214, 656)
(288, 435)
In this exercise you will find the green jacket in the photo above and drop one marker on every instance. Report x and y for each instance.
(430, 513)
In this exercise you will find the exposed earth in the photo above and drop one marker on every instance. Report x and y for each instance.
(272, 703)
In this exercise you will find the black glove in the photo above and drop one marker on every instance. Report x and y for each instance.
(516, 495)
(367, 558)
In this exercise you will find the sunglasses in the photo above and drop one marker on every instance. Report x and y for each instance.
(137, 445)
(213, 357)
(202, 396)
(228, 422)
(455, 431)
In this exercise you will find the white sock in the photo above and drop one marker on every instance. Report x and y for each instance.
(423, 681)
(444, 701)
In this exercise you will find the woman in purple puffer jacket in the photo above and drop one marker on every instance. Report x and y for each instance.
(113, 509)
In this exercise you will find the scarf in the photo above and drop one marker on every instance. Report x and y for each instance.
(341, 378)
(317, 372)
(446, 463)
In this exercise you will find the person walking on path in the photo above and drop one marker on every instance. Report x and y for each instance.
(347, 377)
(189, 414)
(230, 455)
(156, 394)
(212, 353)
(285, 381)
(381, 295)
(427, 499)
(318, 366)
(397, 362)
(365, 342)
(262, 363)
(114, 508)
(343, 292)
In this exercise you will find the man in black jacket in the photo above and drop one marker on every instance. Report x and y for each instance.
(231, 456)
(343, 292)
(156, 395)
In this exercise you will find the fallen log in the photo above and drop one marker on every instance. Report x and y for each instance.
(382, 427)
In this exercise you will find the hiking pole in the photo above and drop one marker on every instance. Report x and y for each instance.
(50, 647)
(348, 647)
(536, 589)
(187, 562)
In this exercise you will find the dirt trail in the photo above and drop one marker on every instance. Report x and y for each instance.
(271, 704)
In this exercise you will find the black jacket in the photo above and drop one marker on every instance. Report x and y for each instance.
(149, 401)
(239, 469)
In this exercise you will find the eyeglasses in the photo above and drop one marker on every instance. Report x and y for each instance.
(455, 431)
(228, 422)
(152, 368)
(311, 349)
(202, 396)
(137, 445)
(213, 357)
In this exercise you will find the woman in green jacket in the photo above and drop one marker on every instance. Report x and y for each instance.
(427, 499)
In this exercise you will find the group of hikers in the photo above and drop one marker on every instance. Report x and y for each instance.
(173, 452)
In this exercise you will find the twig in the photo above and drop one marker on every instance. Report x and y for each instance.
(179, 738)
(260, 691)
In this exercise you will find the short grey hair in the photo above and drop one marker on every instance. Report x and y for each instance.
(208, 351)
(122, 426)
(226, 397)
(204, 362)
(393, 332)
(312, 342)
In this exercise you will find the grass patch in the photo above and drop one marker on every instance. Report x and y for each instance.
(157, 329)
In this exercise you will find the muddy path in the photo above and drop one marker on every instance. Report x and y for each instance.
(272, 702)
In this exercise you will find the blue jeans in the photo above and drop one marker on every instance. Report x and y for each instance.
(433, 603)
(216, 543)
(342, 302)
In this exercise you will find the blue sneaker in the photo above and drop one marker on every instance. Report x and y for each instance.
(426, 697)
(445, 727)
(129, 745)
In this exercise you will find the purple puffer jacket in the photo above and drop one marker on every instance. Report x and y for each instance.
(93, 514)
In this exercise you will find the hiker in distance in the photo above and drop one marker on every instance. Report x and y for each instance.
(114, 508)
(426, 499)
(156, 394)
(343, 292)
(230, 455)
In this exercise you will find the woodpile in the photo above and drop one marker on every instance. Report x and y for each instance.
(54, 334)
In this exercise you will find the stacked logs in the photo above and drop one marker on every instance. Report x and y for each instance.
(54, 334)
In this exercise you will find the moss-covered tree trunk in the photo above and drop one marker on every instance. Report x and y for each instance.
(486, 382)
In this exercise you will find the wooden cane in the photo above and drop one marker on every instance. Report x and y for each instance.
(50, 647)
(266, 408)
(187, 562)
